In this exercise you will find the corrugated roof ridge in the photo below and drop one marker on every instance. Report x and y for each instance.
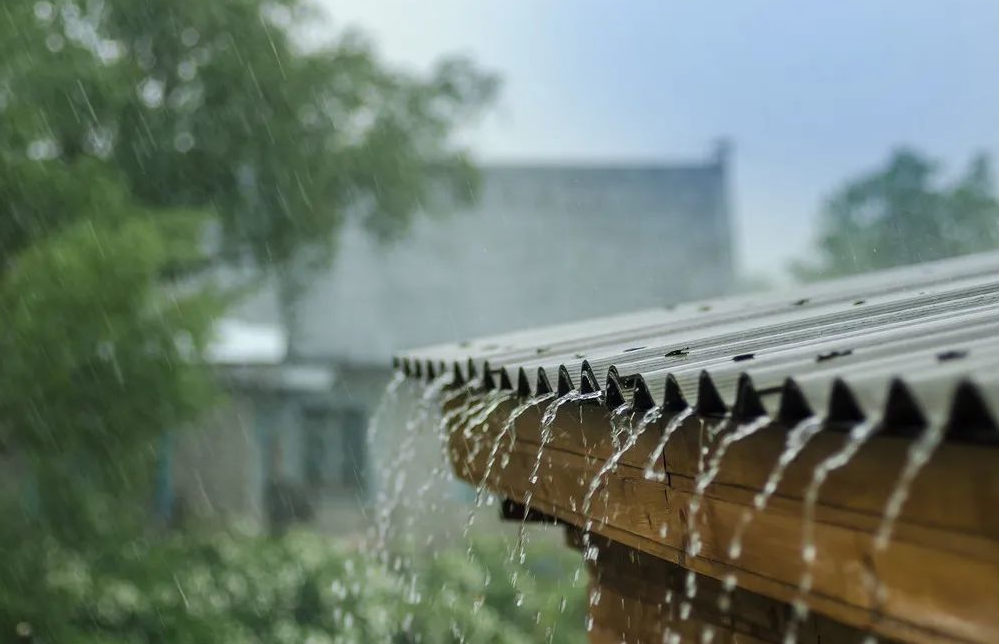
(918, 344)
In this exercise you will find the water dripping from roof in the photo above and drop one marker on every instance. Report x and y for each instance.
(674, 424)
(508, 431)
(518, 554)
(856, 439)
(428, 404)
(919, 454)
(634, 432)
(703, 480)
(505, 431)
(796, 441)
(387, 400)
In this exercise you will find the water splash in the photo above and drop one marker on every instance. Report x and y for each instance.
(674, 424)
(856, 439)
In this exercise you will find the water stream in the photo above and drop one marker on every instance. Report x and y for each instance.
(389, 500)
(448, 421)
(919, 454)
(674, 424)
(634, 432)
(856, 439)
(387, 401)
(797, 439)
(489, 406)
(508, 430)
(546, 437)
(702, 482)
(477, 409)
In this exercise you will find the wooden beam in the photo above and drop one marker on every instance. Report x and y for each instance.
(635, 599)
(941, 570)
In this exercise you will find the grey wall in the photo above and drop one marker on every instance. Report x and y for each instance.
(544, 245)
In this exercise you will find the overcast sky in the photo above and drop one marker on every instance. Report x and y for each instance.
(810, 93)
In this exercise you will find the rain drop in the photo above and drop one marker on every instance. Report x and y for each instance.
(151, 92)
(190, 37)
(44, 11)
(43, 150)
(55, 43)
(183, 142)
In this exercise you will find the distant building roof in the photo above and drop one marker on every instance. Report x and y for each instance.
(906, 347)
(546, 243)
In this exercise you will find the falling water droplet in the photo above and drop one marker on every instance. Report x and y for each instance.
(797, 439)
(856, 439)
(919, 454)
(674, 423)
(704, 480)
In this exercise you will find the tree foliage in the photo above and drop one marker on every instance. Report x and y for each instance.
(128, 129)
(132, 130)
(901, 214)
(302, 587)
(218, 106)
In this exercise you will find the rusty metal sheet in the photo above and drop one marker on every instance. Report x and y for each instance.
(903, 347)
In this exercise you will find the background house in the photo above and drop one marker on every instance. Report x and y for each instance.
(249, 457)
(503, 264)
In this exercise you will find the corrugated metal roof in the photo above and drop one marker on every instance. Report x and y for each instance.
(907, 346)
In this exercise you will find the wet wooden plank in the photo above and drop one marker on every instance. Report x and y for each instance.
(636, 602)
(941, 570)
(956, 490)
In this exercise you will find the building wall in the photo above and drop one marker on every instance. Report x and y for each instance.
(544, 245)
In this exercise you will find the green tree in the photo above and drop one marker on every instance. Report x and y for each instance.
(901, 214)
(129, 126)
(130, 129)
(217, 105)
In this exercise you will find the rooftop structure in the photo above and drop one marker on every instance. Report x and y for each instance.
(813, 465)
(908, 346)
